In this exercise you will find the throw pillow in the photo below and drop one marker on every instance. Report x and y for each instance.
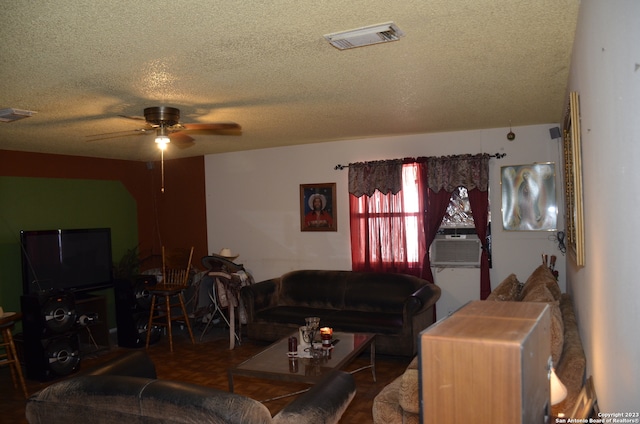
(542, 275)
(508, 290)
(540, 293)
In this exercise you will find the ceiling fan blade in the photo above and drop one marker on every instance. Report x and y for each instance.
(137, 118)
(116, 134)
(181, 140)
(212, 127)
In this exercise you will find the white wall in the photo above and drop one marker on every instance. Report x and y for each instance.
(253, 204)
(605, 72)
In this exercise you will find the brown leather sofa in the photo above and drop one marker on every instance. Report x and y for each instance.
(394, 306)
(126, 390)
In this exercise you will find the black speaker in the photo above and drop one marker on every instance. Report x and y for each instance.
(51, 347)
(132, 311)
(554, 132)
(46, 313)
(52, 357)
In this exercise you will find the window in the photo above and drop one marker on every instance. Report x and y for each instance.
(458, 214)
(386, 211)
(391, 232)
(465, 251)
(386, 228)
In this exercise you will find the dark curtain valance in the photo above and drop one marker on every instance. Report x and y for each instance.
(451, 172)
(444, 172)
(367, 177)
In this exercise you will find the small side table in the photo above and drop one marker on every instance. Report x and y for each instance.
(10, 357)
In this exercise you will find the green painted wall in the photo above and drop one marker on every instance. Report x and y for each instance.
(52, 203)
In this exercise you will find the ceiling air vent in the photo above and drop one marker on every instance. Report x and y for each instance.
(10, 115)
(365, 36)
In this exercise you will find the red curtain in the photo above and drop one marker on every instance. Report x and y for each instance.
(379, 235)
(435, 208)
(479, 201)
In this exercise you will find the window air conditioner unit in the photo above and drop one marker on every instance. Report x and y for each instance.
(449, 251)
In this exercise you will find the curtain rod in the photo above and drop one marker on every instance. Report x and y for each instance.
(340, 167)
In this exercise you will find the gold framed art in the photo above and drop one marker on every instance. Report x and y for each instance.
(585, 402)
(573, 180)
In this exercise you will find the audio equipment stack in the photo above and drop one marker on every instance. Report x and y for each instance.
(51, 347)
(132, 311)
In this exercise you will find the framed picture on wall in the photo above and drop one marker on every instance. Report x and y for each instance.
(573, 180)
(529, 197)
(318, 207)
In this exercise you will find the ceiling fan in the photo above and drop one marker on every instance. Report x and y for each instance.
(165, 121)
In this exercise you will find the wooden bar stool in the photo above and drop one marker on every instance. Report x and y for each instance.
(176, 266)
(10, 356)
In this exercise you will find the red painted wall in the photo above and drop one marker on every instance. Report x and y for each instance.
(176, 217)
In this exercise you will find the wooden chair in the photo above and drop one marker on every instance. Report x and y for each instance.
(168, 293)
(10, 356)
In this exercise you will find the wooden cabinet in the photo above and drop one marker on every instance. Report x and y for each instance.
(487, 363)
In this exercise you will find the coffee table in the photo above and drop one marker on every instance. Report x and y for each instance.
(272, 363)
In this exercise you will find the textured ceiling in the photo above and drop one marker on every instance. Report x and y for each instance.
(463, 64)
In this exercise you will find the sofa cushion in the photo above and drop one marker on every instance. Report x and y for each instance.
(540, 293)
(572, 367)
(386, 406)
(109, 399)
(507, 290)
(292, 314)
(364, 322)
(190, 403)
(409, 396)
(413, 365)
(542, 275)
(114, 400)
(312, 288)
(399, 401)
(370, 291)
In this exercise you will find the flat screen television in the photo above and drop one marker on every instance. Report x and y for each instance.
(77, 260)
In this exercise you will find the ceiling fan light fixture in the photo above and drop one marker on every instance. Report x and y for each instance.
(365, 36)
(162, 141)
(162, 137)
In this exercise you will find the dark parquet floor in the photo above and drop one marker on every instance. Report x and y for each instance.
(206, 363)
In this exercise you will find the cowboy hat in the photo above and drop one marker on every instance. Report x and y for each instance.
(226, 253)
(217, 262)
